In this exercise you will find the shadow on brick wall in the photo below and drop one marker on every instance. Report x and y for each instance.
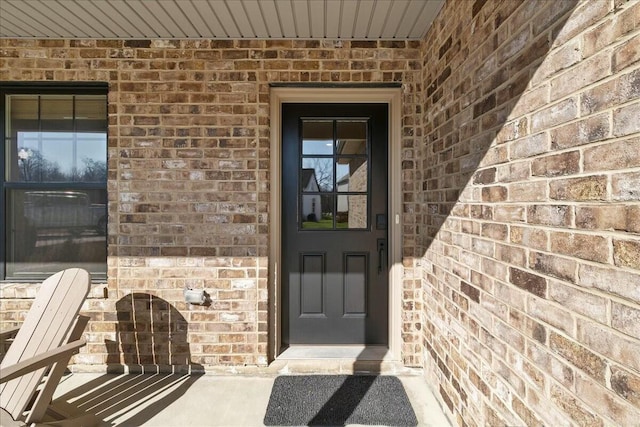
(469, 102)
(481, 82)
(151, 337)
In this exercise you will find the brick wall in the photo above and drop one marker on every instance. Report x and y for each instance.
(520, 177)
(529, 212)
(188, 182)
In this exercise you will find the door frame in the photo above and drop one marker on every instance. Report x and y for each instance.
(392, 96)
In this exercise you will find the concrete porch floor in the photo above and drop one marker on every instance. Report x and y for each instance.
(206, 400)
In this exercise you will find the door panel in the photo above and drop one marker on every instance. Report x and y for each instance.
(312, 278)
(355, 284)
(334, 210)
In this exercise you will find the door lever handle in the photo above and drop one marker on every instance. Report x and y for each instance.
(381, 259)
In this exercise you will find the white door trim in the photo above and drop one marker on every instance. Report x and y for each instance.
(390, 96)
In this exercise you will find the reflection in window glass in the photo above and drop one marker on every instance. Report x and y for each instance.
(317, 211)
(90, 108)
(351, 211)
(54, 188)
(342, 174)
(334, 175)
(56, 113)
(317, 147)
(317, 137)
(352, 129)
(61, 156)
(351, 146)
(352, 174)
(56, 138)
(90, 114)
(317, 174)
(351, 137)
(23, 108)
(49, 230)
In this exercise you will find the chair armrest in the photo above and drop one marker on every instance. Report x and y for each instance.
(50, 357)
(8, 333)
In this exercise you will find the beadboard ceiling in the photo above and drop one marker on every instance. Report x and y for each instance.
(218, 19)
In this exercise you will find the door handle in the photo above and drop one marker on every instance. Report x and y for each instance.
(381, 250)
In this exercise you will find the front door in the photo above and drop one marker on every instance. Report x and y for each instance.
(334, 222)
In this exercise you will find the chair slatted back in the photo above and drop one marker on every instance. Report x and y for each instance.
(47, 326)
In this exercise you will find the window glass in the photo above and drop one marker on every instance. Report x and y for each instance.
(56, 113)
(61, 156)
(317, 174)
(317, 137)
(334, 176)
(317, 211)
(49, 230)
(352, 174)
(91, 114)
(351, 129)
(56, 138)
(54, 186)
(351, 211)
(24, 110)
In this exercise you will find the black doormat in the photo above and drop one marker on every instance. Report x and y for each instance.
(336, 400)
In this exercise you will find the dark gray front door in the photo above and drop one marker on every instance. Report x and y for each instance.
(334, 222)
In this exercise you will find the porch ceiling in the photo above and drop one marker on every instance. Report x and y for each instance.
(218, 19)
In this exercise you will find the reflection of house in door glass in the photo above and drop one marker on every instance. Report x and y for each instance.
(334, 174)
(310, 202)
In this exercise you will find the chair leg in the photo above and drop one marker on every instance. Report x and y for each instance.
(43, 399)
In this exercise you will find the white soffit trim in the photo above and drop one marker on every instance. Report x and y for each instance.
(218, 19)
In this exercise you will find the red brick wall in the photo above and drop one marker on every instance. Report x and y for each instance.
(530, 212)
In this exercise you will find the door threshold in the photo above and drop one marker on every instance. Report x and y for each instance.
(353, 352)
(338, 359)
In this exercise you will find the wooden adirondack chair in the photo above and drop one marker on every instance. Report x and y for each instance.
(51, 333)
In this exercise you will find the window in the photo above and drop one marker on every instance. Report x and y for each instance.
(54, 180)
(334, 187)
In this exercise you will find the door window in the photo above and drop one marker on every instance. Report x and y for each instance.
(334, 174)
